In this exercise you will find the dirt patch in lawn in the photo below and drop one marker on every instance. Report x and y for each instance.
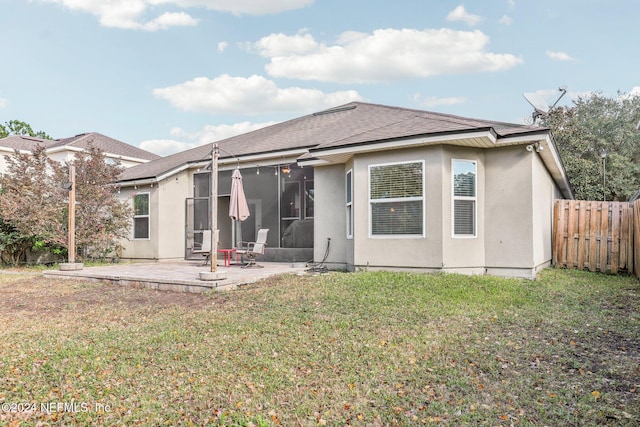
(39, 296)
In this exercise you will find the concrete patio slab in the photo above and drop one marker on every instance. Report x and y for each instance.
(178, 276)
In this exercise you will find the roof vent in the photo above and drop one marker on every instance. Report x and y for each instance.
(335, 110)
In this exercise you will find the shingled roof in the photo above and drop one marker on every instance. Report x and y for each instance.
(82, 141)
(348, 125)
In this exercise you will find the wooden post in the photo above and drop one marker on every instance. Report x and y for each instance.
(214, 274)
(636, 237)
(72, 214)
(214, 208)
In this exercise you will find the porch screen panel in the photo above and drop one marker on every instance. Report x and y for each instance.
(397, 199)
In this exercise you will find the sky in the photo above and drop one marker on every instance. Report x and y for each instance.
(169, 75)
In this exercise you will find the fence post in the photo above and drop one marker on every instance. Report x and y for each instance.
(636, 237)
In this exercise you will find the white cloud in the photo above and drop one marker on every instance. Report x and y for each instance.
(505, 20)
(129, 14)
(252, 95)
(384, 55)
(4, 103)
(559, 56)
(207, 135)
(275, 45)
(635, 91)
(433, 101)
(461, 14)
(222, 46)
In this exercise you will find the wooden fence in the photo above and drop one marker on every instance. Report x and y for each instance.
(597, 236)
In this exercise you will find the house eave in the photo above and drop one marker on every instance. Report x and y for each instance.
(548, 154)
(224, 163)
(485, 138)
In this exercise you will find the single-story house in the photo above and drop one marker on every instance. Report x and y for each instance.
(64, 149)
(364, 186)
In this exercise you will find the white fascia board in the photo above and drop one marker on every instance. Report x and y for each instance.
(63, 148)
(253, 160)
(13, 150)
(139, 182)
(313, 162)
(153, 180)
(522, 139)
(396, 143)
(555, 155)
(127, 158)
(82, 150)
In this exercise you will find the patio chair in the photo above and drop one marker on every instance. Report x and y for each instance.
(204, 248)
(252, 249)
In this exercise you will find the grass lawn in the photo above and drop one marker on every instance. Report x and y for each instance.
(337, 349)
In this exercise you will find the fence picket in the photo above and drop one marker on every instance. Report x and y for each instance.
(582, 234)
(615, 237)
(593, 236)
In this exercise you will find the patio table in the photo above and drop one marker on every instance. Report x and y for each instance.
(227, 255)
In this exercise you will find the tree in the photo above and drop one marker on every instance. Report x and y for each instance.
(34, 201)
(31, 201)
(102, 219)
(16, 127)
(599, 145)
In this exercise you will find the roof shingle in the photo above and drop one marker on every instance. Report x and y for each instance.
(353, 123)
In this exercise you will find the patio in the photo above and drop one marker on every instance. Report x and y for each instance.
(177, 276)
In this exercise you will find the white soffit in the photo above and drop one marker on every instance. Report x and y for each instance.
(481, 139)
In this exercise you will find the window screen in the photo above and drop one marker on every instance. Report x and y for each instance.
(397, 199)
(141, 216)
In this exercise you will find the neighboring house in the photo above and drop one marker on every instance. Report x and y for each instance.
(365, 186)
(65, 149)
(635, 197)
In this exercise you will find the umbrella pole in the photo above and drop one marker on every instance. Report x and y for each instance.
(234, 233)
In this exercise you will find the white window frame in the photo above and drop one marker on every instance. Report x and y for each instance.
(474, 199)
(421, 198)
(349, 202)
(148, 216)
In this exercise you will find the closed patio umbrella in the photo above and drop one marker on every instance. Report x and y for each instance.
(238, 208)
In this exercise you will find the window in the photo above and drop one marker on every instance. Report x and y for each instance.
(201, 199)
(396, 197)
(464, 198)
(349, 197)
(141, 216)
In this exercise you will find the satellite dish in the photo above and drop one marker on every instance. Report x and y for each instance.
(539, 103)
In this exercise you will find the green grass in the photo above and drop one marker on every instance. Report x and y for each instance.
(336, 349)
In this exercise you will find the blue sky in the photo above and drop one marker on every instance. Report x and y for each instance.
(167, 75)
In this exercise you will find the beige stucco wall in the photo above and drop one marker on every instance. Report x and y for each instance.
(413, 252)
(141, 248)
(463, 253)
(519, 212)
(166, 221)
(544, 193)
(330, 216)
(514, 214)
(171, 218)
(508, 208)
